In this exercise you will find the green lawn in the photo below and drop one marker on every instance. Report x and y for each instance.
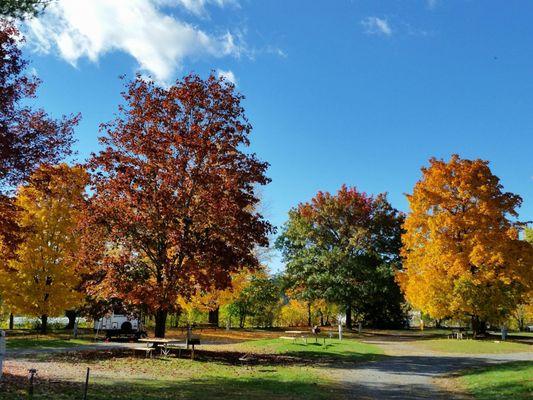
(469, 346)
(505, 381)
(43, 342)
(333, 350)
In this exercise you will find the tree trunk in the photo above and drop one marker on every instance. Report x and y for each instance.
(309, 322)
(44, 324)
(321, 318)
(348, 317)
(242, 320)
(11, 321)
(160, 323)
(438, 323)
(213, 316)
(479, 327)
(71, 315)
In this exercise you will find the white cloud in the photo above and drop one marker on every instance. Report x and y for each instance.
(227, 75)
(159, 42)
(197, 7)
(376, 26)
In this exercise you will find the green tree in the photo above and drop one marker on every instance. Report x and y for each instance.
(344, 248)
(259, 300)
(22, 8)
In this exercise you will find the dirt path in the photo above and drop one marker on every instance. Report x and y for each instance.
(407, 372)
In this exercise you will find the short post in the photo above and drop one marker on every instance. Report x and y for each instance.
(504, 333)
(75, 330)
(2, 351)
(31, 378)
(360, 328)
(86, 384)
(340, 330)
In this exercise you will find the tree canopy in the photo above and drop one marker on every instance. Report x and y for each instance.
(462, 254)
(22, 8)
(343, 248)
(174, 191)
(43, 277)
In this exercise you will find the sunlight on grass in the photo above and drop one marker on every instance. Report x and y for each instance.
(473, 346)
(345, 350)
(505, 381)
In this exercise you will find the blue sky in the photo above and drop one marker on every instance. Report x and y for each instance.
(358, 92)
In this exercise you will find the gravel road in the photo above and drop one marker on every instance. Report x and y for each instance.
(407, 372)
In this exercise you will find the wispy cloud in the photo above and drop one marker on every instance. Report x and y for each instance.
(75, 29)
(197, 7)
(432, 3)
(376, 26)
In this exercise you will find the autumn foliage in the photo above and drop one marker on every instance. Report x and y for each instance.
(43, 277)
(462, 254)
(29, 137)
(174, 192)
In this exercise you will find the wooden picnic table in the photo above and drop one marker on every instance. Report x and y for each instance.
(294, 334)
(164, 344)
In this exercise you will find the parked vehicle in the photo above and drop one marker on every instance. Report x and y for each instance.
(120, 325)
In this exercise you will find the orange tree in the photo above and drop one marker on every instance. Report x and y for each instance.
(462, 254)
(343, 248)
(174, 191)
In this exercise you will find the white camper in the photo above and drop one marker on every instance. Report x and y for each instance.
(119, 325)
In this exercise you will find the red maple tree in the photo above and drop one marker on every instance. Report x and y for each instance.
(174, 190)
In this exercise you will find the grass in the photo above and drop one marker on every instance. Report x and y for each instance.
(469, 346)
(43, 343)
(504, 381)
(334, 350)
(121, 378)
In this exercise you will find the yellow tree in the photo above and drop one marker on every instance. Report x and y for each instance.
(462, 254)
(213, 299)
(42, 279)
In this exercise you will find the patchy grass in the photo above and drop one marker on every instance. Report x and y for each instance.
(470, 346)
(122, 377)
(504, 381)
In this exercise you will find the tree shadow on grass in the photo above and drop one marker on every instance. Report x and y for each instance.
(306, 357)
(15, 387)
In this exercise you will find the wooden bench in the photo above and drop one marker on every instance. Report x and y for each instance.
(148, 351)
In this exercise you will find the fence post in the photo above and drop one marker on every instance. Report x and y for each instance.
(32, 373)
(2, 351)
(86, 384)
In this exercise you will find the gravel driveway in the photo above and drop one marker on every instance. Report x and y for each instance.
(407, 372)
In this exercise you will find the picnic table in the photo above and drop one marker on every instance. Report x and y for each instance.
(458, 334)
(164, 344)
(295, 334)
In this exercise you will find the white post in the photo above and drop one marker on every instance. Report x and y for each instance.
(2, 351)
(75, 330)
(340, 330)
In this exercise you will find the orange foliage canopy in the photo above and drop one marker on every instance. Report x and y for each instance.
(462, 254)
